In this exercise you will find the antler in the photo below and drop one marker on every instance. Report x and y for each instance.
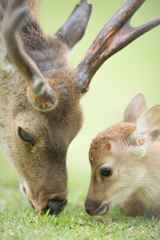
(40, 94)
(114, 36)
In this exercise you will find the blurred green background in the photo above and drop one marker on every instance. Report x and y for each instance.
(132, 70)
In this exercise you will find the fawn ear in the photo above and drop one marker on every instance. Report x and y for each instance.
(135, 108)
(148, 126)
(74, 28)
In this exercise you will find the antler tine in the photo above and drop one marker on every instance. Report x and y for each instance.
(40, 93)
(114, 36)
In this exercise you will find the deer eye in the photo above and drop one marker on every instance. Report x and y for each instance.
(106, 172)
(26, 137)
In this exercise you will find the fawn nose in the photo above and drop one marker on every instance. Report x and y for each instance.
(90, 208)
(56, 206)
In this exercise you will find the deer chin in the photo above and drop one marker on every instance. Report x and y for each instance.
(23, 191)
(103, 210)
(22, 188)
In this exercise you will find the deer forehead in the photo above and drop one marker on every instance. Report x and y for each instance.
(110, 141)
(53, 61)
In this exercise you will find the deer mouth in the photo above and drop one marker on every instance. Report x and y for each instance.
(55, 207)
(92, 210)
(103, 210)
(95, 208)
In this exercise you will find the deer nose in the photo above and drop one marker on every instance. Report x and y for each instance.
(56, 206)
(91, 206)
(89, 209)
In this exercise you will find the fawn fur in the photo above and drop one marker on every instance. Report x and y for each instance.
(131, 151)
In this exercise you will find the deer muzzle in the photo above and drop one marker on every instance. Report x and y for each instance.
(56, 206)
(96, 208)
(52, 203)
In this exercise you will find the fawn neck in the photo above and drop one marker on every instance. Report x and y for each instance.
(147, 197)
(150, 188)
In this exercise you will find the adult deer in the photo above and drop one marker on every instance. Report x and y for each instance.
(125, 161)
(40, 91)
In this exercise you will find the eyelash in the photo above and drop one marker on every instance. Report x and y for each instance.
(24, 135)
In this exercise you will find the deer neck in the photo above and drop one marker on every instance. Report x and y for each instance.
(149, 191)
(146, 199)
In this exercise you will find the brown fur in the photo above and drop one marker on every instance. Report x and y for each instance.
(118, 132)
(51, 116)
(41, 168)
(133, 157)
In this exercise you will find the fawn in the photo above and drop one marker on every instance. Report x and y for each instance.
(40, 91)
(125, 162)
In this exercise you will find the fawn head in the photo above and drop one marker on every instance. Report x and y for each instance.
(118, 156)
(45, 112)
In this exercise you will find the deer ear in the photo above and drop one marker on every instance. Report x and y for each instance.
(135, 108)
(148, 126)
(107, 148)
(73, 30)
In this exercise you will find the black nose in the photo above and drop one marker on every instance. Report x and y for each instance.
(88, 210)
(56, 206)
(91, 207)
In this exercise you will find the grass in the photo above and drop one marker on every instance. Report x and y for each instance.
(18, 221)
(132, 70)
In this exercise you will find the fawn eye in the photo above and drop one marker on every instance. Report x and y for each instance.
(106, 172)
(26, 137)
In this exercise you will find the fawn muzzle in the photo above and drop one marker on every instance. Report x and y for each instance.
(96, 208)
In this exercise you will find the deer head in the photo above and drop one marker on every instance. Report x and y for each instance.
(42, 92)
(125, 160)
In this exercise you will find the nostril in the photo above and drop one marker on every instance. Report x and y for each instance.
(56, 206)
